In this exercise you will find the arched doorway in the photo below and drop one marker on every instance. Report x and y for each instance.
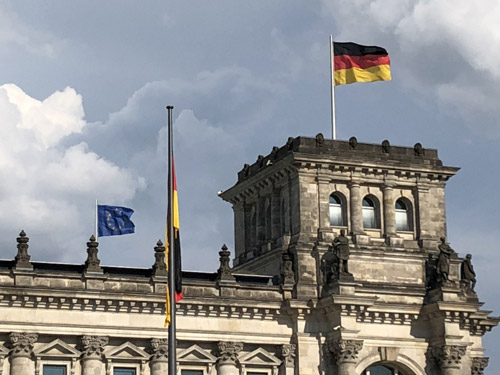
(384, 368)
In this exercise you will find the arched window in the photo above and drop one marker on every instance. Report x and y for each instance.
(336, 211)
(403, 215)
(370, 216)
(379, 370)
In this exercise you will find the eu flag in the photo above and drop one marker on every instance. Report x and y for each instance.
(114, 220)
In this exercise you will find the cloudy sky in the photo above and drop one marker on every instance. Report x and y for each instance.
(84, 85)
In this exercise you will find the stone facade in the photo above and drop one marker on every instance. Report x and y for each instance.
(396, 301)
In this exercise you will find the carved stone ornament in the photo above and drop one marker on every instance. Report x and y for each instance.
(160, 266)
(92, 264)
(274, 152)
(478, 365)
(418, 149)
(386, 146)
(22, 257)
(22, 344)
(320, 140)
(93, 346)
(228, 351)
(158, 349)
(224, 271)
(448, 355)
(287, 353)
(353, 142)
(345, 350)
(287, 274)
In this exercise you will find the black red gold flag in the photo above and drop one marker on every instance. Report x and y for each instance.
(356, 63)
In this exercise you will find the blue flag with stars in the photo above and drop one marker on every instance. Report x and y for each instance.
(114, 220)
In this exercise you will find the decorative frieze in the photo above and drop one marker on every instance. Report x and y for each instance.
(287, 353)
(448, 356)
(345, 350)
(478, 365)
(158, 349)
(22, 344)
(93, 346)
(228, 351)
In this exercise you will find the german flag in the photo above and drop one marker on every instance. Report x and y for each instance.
(356, 63)
(177, 268)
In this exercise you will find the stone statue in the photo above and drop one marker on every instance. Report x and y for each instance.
(329, 266)
(468, 275)
(341, 246)
(443, 265)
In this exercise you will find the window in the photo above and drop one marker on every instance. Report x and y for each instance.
(54, 370)
(369, 213)
(403, 215)
(191, 372)
(123, 371)
(336, 211)
(256, 373)
(378, 370)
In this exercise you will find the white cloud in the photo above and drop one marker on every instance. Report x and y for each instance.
(445, 50)
(45, 185)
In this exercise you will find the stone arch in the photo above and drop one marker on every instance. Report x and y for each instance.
(402, 362)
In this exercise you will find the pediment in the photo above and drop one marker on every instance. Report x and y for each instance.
(57, 348)
(260, 357)
(196, 354)
(126, 350)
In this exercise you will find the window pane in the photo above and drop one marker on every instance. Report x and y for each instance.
(402, 220)
(369, 217)
(335, 215)
(334, 200)
(379, 370)
(191, 372)
(368, 203)
(257, 373)
(54, 370)
(123, 371)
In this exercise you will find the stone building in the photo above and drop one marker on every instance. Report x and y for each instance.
(341, 267)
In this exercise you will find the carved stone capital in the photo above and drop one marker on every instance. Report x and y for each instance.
(92, 347)
(448, 356)
(478, 365)
(22, 344)
(159, 350)
(228, 351)
(287, 354)
(344, 351)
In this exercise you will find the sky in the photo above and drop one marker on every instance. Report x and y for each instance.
(84, 85)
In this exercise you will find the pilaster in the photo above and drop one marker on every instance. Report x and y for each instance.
(227, 362)
(159, 356)
(22, 344)
(92, 348)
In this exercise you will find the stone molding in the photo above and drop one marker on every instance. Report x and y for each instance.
(227, 352)
(345, 351)
(93, 346)
(159, 350)
(22, 344)
(448, 356)
(287, 353)
(478, 365)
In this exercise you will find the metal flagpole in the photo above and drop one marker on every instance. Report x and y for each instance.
(332, 87)
(96, 229)
(172, 360)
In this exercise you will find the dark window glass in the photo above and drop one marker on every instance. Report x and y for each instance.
(369, 217)
(191, 372)
(256, 373)
(379, 370)
(54, 370)
(336, 211)
(123, 371)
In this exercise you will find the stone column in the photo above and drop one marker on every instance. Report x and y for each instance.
(92, 354)
(227, 363)
(449, 358)
(261, 221)
(22, 350)
(159, 356)
(356, 208)
(275, 214)
(478, 365)
(240, 235)
(389, 211)
(345, 354)
(287, 354)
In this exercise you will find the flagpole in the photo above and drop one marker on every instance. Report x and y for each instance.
(332, 88)
(172, 344)
(96, 230)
